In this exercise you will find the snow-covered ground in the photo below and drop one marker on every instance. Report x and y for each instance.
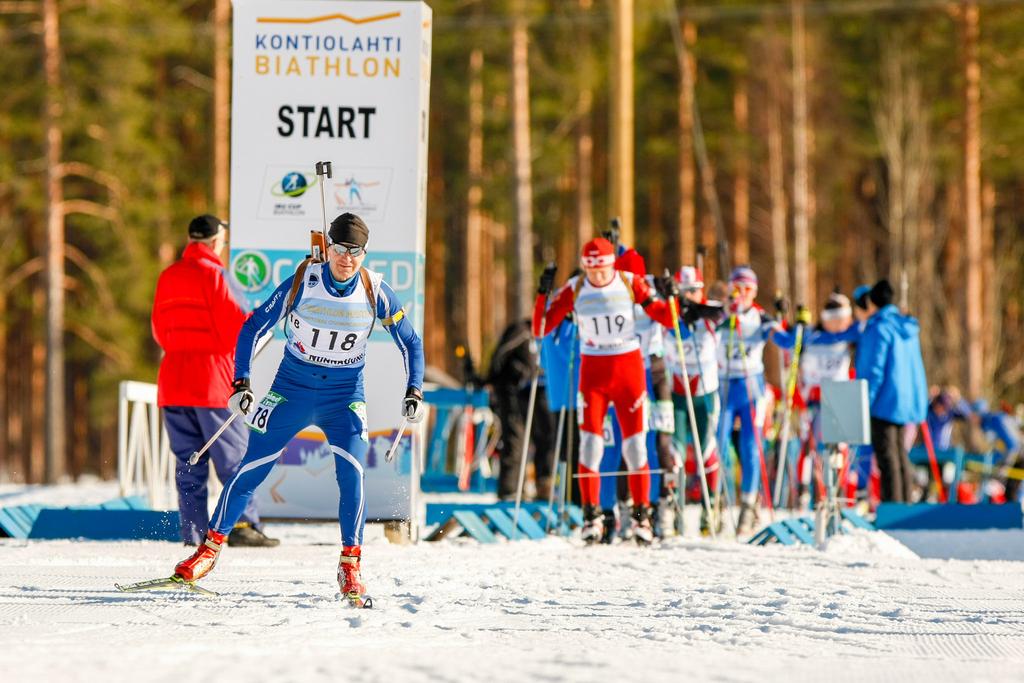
(865, 609)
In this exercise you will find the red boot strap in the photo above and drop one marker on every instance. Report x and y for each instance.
(345, 559)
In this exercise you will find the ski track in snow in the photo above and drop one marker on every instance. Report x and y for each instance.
(553, 610)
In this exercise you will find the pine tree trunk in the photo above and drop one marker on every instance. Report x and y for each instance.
(523, 163)
(777, 194)
(80, 422)
(687, 166)
(6, 459)
(56, 445)
(221, 106)
(801, 219)
(37, 410)
(973, 240)
(621, 171)
(435, 332)
(741, 179)
(989, 304)
(584, 171)
(474, 223)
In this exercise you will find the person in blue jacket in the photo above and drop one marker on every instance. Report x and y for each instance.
(889, 358)
(1001, 431)
(330, 310)
(559, 353)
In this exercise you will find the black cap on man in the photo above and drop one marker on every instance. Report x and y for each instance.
(882, 294)
(206, 226)
(349, 228)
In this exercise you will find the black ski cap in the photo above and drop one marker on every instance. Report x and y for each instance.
(881, 294)
(205, 226)
(349, 228)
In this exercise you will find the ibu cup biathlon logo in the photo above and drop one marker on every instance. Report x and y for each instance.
(293, 184)
(251, 270)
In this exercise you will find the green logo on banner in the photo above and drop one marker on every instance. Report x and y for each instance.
(251, 270)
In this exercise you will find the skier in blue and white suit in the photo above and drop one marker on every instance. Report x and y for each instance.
(320, 382)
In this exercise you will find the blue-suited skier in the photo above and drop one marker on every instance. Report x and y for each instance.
(331, 309)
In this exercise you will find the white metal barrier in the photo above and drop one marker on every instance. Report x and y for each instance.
(145, 463)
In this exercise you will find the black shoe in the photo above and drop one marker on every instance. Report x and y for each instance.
(611, 527)
(247, 536)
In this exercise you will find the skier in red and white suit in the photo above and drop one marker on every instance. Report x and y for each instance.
(611, 371)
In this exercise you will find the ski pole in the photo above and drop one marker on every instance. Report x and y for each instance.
(926, 434)
(323, 171)
(194, 458)
(782, 441)
(698, 451)
(198, 454)
(753, 420)
(562, 414)
(531, 404)
(554, 467)
(620, 473)
(398, 437)
(725, 432)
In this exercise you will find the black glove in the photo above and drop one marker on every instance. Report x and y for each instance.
(781, 305)
(666, 287)
(547, 279)
(242, 399)
(412, 405)
(694, 312)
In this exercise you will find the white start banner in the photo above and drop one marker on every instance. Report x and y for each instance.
(345, 82)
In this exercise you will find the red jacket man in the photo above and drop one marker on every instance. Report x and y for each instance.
(196, 321)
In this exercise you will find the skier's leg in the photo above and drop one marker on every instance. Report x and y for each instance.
(749, 462)
(592, 409)
(281, 418)
(543, 435)
(510, 448)
(630, 399)
(287, 417)
(227, 451)
(344, 422)
(725, 422)
(882, 442)
(706, 410)
(186, 437)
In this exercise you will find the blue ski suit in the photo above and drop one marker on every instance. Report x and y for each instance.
(741, 367)
(319, 382)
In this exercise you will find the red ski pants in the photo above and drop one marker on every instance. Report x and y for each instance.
(620, 380)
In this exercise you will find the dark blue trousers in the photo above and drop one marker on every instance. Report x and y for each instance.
(188, 430)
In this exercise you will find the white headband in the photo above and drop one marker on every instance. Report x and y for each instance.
(597, 261)
(836, 313)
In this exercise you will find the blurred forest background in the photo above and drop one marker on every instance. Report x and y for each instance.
(827, 143)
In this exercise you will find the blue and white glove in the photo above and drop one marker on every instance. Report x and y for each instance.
(412, 405)
(242, 400)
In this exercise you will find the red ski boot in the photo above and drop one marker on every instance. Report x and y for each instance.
(349, 581)
(203, 559)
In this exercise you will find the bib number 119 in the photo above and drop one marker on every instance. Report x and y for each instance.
(612, 324)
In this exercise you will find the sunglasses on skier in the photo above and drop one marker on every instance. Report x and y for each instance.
(354, 252)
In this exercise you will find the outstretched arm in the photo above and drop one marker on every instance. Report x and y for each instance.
(398, 325)
(561, 306)
(657, 309)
